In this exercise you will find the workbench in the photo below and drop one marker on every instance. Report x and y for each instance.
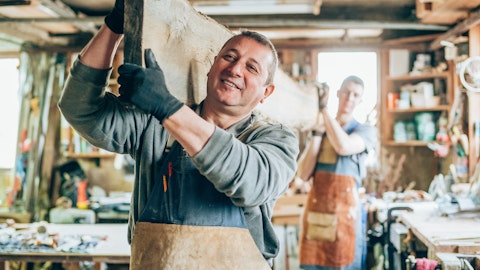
(287, 213)
(445, 237)
(113, 249)
(288, 210)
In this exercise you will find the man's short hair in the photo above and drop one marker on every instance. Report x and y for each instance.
(353, 79)
(266, 42)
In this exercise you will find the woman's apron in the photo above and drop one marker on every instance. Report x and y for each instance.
(331, 213)
(188, 224)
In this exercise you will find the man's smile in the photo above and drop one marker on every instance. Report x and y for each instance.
(229, 83)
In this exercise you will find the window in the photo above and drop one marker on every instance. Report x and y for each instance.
(333, 67)
(9, 111)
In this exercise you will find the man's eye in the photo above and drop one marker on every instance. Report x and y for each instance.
(228, 57)
(252, 68)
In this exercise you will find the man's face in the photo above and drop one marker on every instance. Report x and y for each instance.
(349, 96)
(236, 80)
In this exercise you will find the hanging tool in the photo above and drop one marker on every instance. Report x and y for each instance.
(461, 142)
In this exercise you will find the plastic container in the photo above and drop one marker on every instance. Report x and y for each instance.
(420, 101)
(426, 129)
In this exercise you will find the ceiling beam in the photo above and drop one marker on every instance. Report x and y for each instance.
(14, 2)
(28, 33)
(97, 20)
(64, 11)
(456, 31)
(238, 22)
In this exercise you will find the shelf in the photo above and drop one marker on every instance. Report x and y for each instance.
(407, 143)
(420, 109)
(442, 87)
(415, 77)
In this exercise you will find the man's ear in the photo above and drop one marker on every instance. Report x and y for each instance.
(269, 89)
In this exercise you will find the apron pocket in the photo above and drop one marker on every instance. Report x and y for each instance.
(321, 226)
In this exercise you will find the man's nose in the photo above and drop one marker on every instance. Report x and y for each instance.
(235, 68)
(350, 95)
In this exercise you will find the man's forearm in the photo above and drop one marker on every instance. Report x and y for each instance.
(343, 143)
(189, 129)
(100, 50)
(337, 136)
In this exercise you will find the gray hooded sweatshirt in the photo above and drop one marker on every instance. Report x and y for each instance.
(252, 172)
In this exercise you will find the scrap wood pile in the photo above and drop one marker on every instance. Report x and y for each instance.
(378, 182)
(36, 238)
(386, 184)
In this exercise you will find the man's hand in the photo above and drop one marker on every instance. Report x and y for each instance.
(146, 89)
(115, 19)
(322, 89)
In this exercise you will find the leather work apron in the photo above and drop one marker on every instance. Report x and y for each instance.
(176, 247)
(188, 224)
(329, 220)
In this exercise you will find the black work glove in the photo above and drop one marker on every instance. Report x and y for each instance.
(146, 89)
(114, 20)
(322, 90)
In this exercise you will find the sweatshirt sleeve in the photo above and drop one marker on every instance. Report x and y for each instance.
(95, 114)
(254, 172)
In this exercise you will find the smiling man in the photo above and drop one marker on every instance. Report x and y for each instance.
(207, 176)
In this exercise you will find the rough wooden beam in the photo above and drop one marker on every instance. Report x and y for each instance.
(133, 28)
(185, 43)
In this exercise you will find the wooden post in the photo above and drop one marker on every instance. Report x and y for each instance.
(473, 101)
